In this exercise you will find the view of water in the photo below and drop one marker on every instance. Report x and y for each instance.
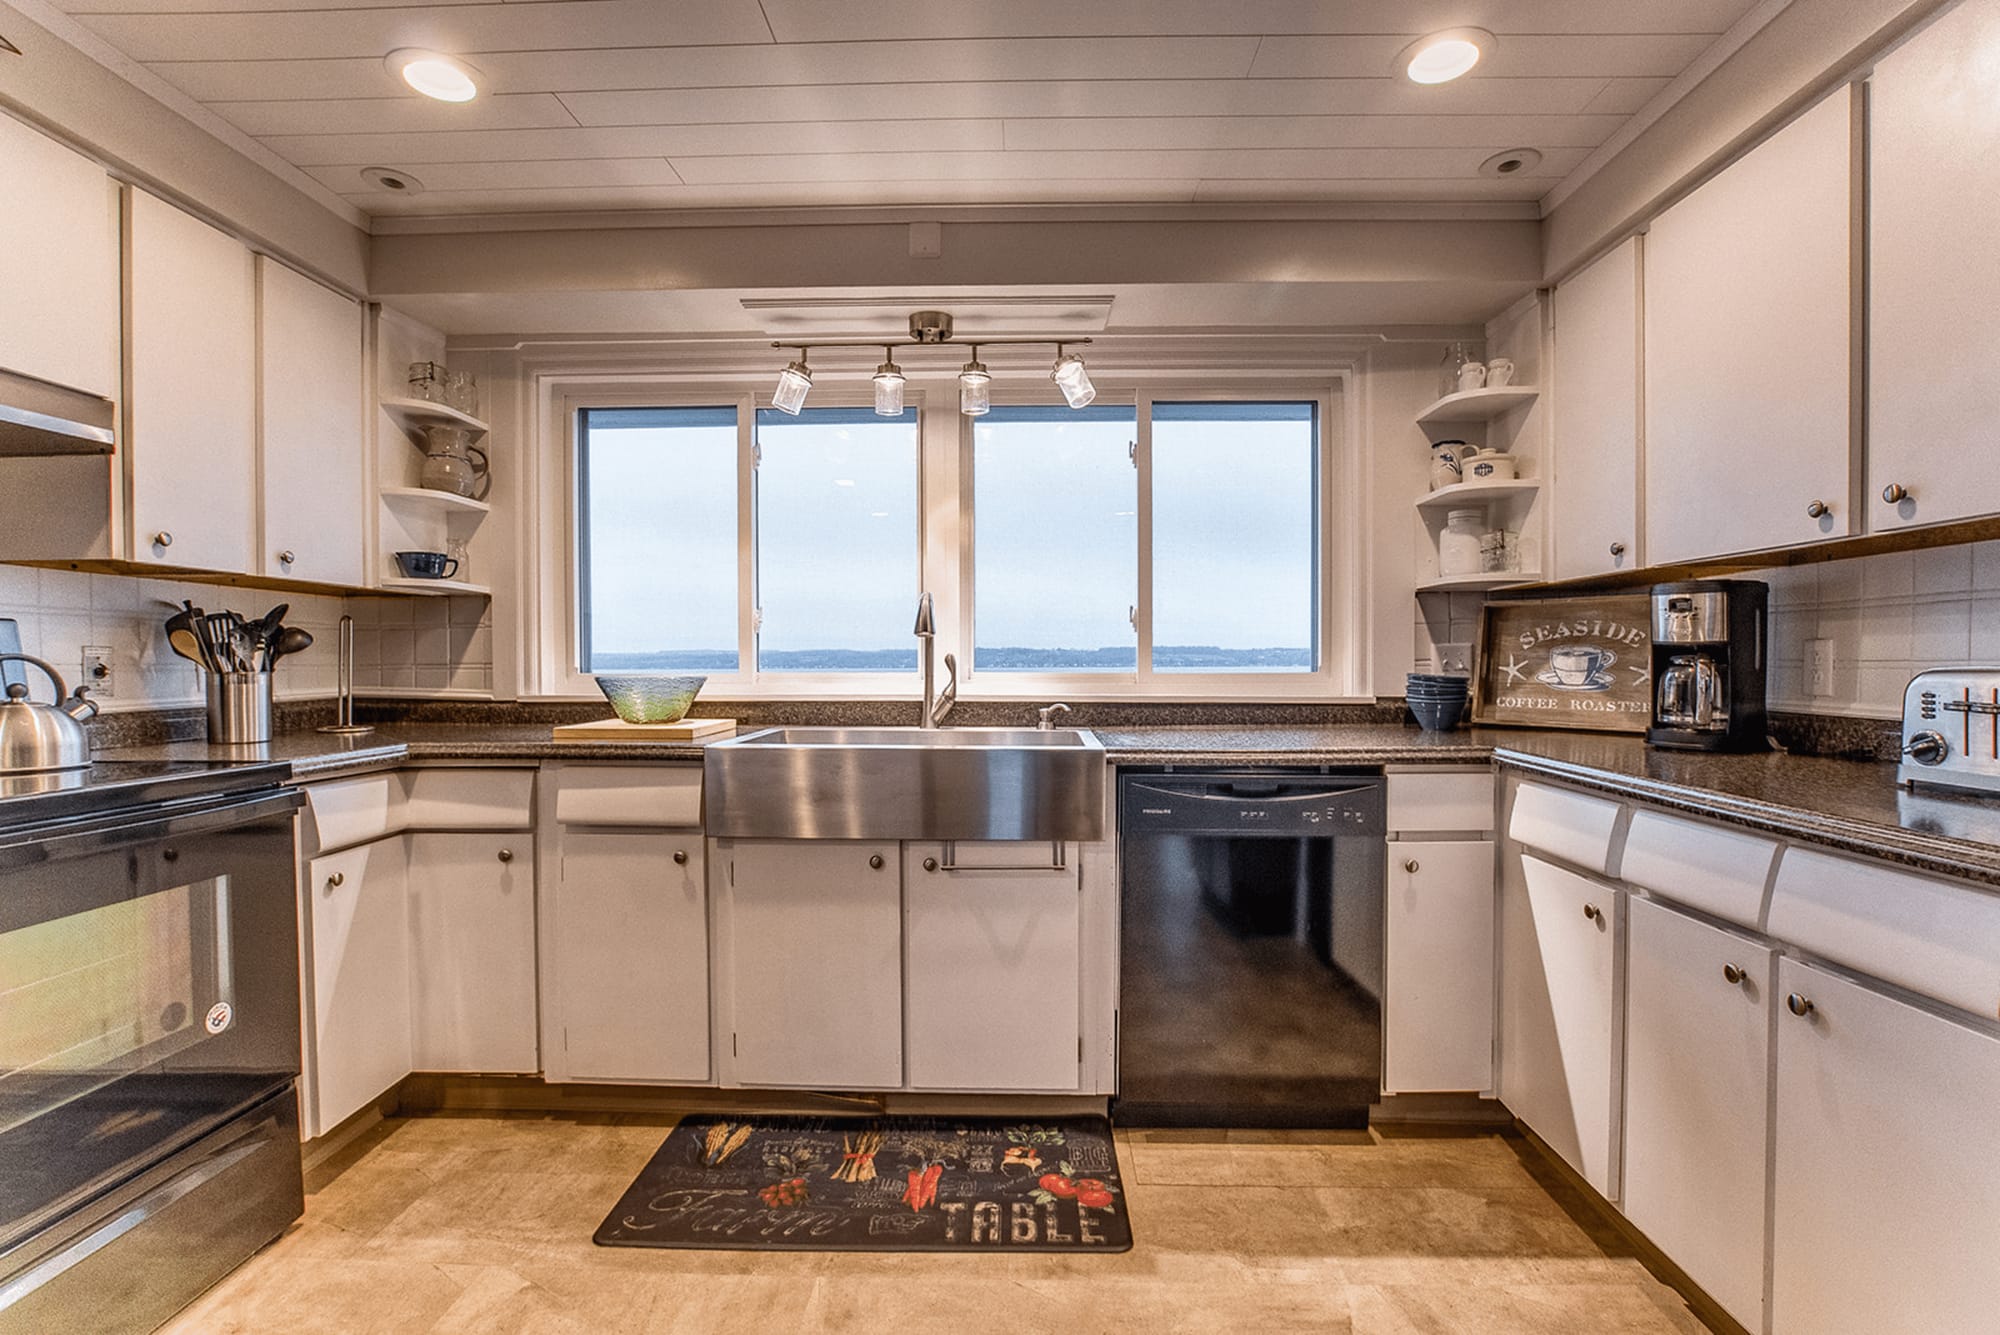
(1179, 657)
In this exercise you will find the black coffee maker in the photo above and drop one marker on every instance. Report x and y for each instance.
(1708, 665)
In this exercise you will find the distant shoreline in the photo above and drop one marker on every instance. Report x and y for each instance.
(1006, 659)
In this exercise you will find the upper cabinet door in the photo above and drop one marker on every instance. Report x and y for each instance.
(1748, 345)
(309, 353)
(192, 407)
(58, 263)
(1597, 417)
(1933, 283)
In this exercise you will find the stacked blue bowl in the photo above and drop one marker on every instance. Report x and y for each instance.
(1437, 700)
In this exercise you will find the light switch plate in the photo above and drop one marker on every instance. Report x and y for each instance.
(97, 674)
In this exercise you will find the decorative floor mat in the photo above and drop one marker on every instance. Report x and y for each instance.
(837, 1184)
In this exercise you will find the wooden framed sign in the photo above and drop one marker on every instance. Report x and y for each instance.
(1566, 663)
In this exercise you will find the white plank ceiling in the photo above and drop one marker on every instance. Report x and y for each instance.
(616, 104)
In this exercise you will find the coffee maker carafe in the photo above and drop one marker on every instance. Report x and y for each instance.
(1708, 665)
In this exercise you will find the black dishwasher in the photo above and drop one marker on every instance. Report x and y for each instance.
(1251, 948)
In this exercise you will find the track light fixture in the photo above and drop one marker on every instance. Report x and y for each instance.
(934, 329)
(793, 384)
(888, 385)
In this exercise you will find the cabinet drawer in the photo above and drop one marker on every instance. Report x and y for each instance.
(1563, 824)
(1460, 801)
(353, 811)
(1934, 938)
(649, 795)
(470, 799)
(1715, 870)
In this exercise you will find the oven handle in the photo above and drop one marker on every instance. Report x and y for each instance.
(1233, 796)
(171, 824)
(154, 1201)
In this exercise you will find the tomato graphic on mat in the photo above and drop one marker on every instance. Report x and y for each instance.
(779, 1194)
(1058, 1185)
(1092, 1192)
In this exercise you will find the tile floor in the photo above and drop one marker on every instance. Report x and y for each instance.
(482, 1224)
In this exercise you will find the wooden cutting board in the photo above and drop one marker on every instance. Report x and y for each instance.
(618, 730)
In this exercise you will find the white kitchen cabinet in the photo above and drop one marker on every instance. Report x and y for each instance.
(1748, 330)
(815, 963)
(1886, 1189)
(1559, 1013)
(1438, 1021)
(310, 392)
(58, 263)
(630, 981)
(472, 952)
(1697, 1083)
(191, 405)
(1596, 399)
(357, 1040)
(1933, 285)
(991, 952)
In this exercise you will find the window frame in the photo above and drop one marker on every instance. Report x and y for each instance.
(1334, 614)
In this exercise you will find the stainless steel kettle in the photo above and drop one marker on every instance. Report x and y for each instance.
(36, 738)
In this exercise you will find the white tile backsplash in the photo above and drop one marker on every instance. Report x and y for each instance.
(1889, 617)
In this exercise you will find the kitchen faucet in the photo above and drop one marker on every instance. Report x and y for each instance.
(935, 706)
(1045, 717)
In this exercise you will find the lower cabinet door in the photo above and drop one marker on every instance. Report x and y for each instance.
(631, 956)
(990, 950)
(472, 965)
(1559, 1014)
(1697, 1087)
(1886, 1195)
(815, 960)
(1438, 1011)
(358, 991)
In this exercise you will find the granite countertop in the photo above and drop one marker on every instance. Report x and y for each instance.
(1854, 806)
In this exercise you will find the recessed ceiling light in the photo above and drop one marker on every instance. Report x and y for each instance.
(392, 179)
(1511, 162)
(1443, 56)
(446, 78)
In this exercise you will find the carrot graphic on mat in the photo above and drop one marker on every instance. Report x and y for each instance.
(923, 1186)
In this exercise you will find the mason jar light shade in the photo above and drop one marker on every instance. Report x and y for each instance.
(889, 390)
(975, 389)
(1073, 380)
(793, 382)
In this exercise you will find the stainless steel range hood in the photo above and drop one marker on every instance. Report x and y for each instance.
(38, 419)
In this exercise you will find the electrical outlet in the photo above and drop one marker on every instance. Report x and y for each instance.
(1819, 667)
(97, 674)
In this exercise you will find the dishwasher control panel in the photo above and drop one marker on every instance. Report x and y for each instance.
(1272, 806)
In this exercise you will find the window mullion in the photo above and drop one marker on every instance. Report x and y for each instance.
(746, 537)
(1142, 461)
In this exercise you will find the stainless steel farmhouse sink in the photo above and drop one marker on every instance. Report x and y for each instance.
(907, 783)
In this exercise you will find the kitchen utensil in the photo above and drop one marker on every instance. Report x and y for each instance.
(453, 463)
(343, 724)
(185, 643)
(1471, 376)
(36, 738)
(649, 697)
(1951, 729)
(1499, 372)
(426, 565)
(239, 708)
(290, 640)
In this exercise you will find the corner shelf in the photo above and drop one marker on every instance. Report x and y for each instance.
(1481, 583)
(435, 587)
(1478, 405)
(1464, 493)
(426, 498)
(413, 415)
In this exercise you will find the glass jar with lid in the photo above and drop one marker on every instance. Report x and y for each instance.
(1460, 542)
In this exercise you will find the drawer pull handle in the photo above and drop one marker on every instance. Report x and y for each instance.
(930, 864)
(163, 539)
(1799, 1005)
(680, 857)
(1618, 549)
(1410, 866)
(1895, 493)
(506, 855)
(287, 556)
(875, 861)
(1058, 861)
(1594, 913)
(1733, 975)
(336, 880)
(1818, 510)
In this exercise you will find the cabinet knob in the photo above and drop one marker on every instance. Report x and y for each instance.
(336, 880)
(875, 861)
(1895, 492)
(930, 864)
(287, 556)
(1618, 549)
(1799, 1005)
(163, 539)
(1410, 866)
(680, 857)
(506, 855)
(1594, 913)
(1732, 974)
(1818, 509)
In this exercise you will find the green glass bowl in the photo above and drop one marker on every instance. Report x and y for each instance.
(649, 697)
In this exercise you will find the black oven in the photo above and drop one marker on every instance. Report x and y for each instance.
(149, 1044)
